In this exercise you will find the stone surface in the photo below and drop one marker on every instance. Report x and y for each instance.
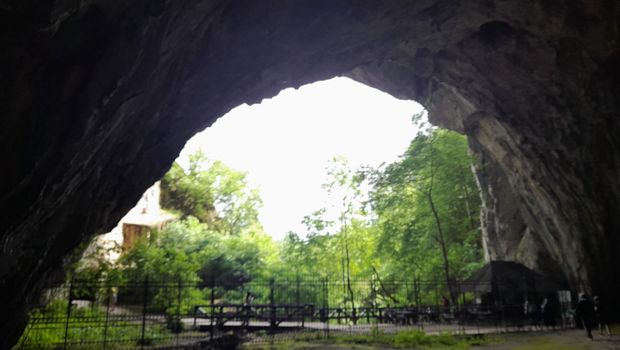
(99, 96)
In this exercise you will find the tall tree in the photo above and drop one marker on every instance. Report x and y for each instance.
(212, 192)
(424, 204)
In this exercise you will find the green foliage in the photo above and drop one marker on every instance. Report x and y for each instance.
(213, 193)
(190, 253)
(410, 339)
(397, 238)
(218, 240)
(377, 339)
(413, 220)
(87, 325)
(418, 222)
(428, 199)
(185, 194)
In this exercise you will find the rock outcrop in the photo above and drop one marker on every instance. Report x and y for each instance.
(99, 96)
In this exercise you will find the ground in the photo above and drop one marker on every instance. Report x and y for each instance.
(562, 340)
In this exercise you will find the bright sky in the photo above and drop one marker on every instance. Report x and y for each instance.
(285, 143)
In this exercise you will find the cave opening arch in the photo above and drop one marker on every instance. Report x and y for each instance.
(103, 92)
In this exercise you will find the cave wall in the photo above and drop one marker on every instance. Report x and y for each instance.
(98, 97)
(506, 235)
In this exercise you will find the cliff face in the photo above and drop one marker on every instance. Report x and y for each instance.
(99, 97)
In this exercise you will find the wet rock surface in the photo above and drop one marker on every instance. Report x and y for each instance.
(99, 97)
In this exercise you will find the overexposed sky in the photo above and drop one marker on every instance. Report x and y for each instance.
(284, 143)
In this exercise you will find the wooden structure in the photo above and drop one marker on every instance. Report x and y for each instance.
(506, 278)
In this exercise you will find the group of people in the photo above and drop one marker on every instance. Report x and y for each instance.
(590, 313)
(539, 316)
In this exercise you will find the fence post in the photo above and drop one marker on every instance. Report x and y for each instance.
(196, 317)
(107, 315)
(501, 303)
(69, 301)
(178, 322)
(417, 290)
(272, 305)
(301, 311)
(212, 312)
(463, 311)
(245, 310)
(144, 304)
(327, 306)
(370, 309)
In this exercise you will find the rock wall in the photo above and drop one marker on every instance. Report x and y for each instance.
(99, 96)
(505, 233)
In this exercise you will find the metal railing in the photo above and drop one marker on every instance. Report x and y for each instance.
(155, 314)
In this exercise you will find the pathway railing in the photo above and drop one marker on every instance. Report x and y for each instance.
(154, 314)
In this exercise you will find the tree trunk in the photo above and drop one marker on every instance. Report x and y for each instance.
(348, 263)
(442, 244)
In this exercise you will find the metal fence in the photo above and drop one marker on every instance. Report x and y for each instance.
(179, 314)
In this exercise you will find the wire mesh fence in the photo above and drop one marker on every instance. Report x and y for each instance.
(179, 314)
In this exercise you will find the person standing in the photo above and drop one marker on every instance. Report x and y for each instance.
(526, 310)
(536, 316)
(585, 313)
(602, 315)
(548, 314)
(446, 304)
(531, 312)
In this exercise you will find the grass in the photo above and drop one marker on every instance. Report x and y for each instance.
(410, 339)
(48, 329)
(378, 340)
(553, 341)
(546, 343)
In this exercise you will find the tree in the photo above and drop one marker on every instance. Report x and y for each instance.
(189, 193)
(212, 192)
(188, 251)
(236, 203)
(425, 202)
(218, 239)
(344, 184)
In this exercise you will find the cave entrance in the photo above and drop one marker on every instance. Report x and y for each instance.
(218, 259)
(93, 89)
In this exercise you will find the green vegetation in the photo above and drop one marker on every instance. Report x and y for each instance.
(411, 221)
(213, 193)
(546, 343)
(427, 206)
(418, 223)
(414, 220)
(84, 326)
(410, 339)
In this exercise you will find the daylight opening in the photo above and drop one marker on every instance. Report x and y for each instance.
(284, 144)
